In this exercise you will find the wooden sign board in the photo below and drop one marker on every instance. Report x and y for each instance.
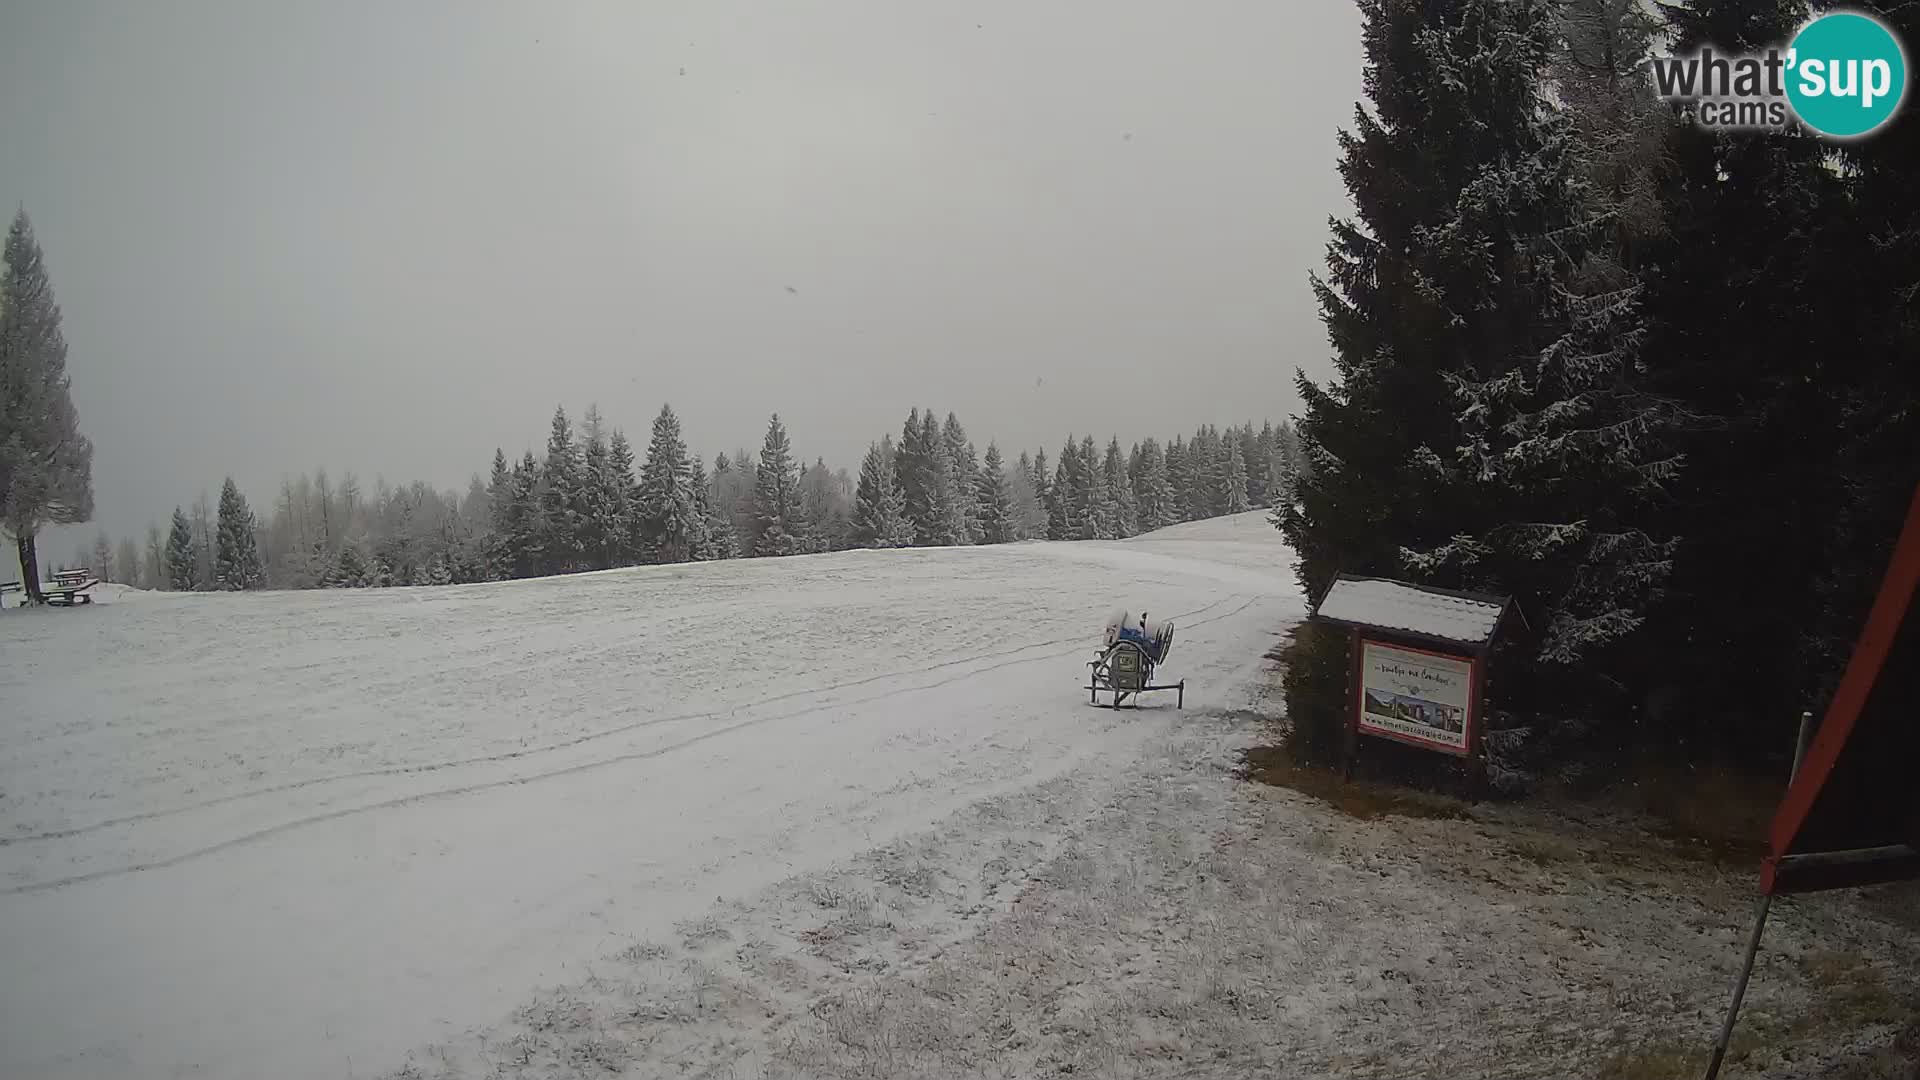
(1419, 659)
(1417, 696)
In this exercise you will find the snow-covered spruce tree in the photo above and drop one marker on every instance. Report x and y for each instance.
(879, 506)
(827, 502)
(180, 553)
(670, 522)
(778, 529)
(523, 543)
(622, 524)
(499, 522)
(1029, 513)
(714, 537)
(598, 537)
(948, 513)
(723, 541)
(46, 465)
(911, 466)
(1254, 461)
(1042, 494)
(100, 559)
(963, 468)
(1561, 450)
(1466, 280)
(1153, 491)
(237, 554)
(1233, 480)
(1061, 492)
(1097, 515)
(1126, 517)
(1179, 479)
(561, 480)
(999, 521)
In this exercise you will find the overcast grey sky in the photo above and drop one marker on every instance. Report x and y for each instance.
(389, 237)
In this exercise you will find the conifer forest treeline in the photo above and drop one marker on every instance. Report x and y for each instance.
(591, 501)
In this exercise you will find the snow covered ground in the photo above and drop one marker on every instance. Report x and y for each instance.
(310, 834)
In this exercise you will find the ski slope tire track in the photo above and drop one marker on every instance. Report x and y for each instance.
(571, 770)
(530, 752)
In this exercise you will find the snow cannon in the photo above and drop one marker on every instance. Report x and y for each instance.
(1134, 644)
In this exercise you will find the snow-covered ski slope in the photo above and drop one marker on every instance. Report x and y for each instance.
(298, 834)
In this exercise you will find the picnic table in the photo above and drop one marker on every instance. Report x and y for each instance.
(70, 587)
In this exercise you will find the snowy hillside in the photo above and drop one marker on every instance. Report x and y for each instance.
(300, 834)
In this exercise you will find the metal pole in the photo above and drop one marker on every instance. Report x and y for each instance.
(1759, 924)
(1800, 744)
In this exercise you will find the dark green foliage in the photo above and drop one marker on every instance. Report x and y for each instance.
(778, 527)
(236, 553)
(180, 557)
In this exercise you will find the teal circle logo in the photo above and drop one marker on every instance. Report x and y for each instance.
(1846, 75)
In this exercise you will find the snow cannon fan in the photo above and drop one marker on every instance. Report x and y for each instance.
(1132, 646)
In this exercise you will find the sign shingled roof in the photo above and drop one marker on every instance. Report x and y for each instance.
(1395, 605)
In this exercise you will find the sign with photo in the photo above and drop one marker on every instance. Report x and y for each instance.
(1415, 696)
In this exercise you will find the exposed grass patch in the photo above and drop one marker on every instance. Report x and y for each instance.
(1852, 993)
(1714, 812)
(1363, 799)
(1660, 1061)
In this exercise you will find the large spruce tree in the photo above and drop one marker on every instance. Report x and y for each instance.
(671, 523)
(180, 557)
(879, 507)
(236, 553)
(46, 465)
(561, 479)
(778, 528)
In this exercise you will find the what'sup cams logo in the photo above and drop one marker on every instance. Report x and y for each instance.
(1843, 75)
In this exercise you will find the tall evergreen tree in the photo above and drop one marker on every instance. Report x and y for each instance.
(963, 467)
(1095, 500)
(521, 542)
(1466, 280)
(46, 465)
(499, 516)
(1153, 491)
(560, 498)
(723, 540)
(879, 507)
(600, 538)
(1062, 515)
(714, 537)
(1233, 480)
(912, 464)
(1126, 516)
(823, 507)
(622, 516)
(180, 558)
(671, 522)
(1042, 485)
(999, 523)
(947, 512)
(237, 555)
(778, 529)
(1179, 480)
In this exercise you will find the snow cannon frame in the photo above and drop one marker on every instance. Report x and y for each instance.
(1124, 667)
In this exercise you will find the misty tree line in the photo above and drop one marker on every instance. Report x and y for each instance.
(590, 503)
